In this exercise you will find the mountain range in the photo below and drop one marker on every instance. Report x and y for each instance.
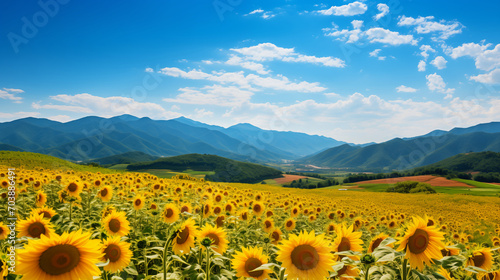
(95, 137)
(406, 153)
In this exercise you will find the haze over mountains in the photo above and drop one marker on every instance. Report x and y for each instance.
(95, 137)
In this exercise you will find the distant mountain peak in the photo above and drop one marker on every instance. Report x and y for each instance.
(245, 126)
(126, 117)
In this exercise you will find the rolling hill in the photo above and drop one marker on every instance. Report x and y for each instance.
(125, 158)
(399, 154)
(226, 170)
(471, 162)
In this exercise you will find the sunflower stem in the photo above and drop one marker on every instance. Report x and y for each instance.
(165, 250)
(145, 262)
(207, 269)
(70, 211)
(404, 269)
(367, 271)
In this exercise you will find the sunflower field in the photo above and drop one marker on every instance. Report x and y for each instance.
(81, 225)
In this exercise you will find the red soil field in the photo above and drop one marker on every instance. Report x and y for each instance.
(287, 178)
(498, 184)
(432, 180)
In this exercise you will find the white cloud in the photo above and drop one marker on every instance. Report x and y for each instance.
(403, 88)
(421, 66)
(381, 35)
(269, 52)
(201, 114)
(111, 106)
(251, 65)
(357, 24)
(492, 77)
(212, 95)
(11, 94)
(374, 35)
(351, 9)
(383, 9)
(258, 11)
(69, 108)
(426, 25)
(425, 49)
(436, 83)
(439, 62)
(468, 49)
(485, 59)
(246, 82)
(375, 53)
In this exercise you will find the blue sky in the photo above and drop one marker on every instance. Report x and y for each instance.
(357, 71)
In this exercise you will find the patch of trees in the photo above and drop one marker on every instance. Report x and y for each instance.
(411, 187)
(490, 177)
(314, 175)
(306, 184)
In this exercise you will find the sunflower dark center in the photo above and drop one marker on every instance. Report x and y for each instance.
(295, 210)
(59, 259)
(206, 209)
(257, 208)
(217, 210)
(345, 244)
(268, 224)
(430, 223)
(275, 235)
(1, 230)
(343, 270)
(245, 216)
(113, 252)
(445, 252)
(376, 243)
(138, 202)
(418, 242)
(289, 223)
(72, 187)
(251, 264)
(114, 225)
(169, 213)
(229, 208)
(36, 229)
(184, 209)
(183, 235)
(305, 257)
(46, 214)
(479, 260)
(104, 192)
(214, 237)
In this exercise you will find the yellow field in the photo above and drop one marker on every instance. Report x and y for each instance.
(78, 224)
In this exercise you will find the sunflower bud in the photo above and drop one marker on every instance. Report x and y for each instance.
(367, 259)
(206, 242)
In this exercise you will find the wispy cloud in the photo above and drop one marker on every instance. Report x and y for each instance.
(351, 9)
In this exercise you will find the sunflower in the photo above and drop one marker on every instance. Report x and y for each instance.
(35, 226)
(421, 243)
(448, 275)
(4, 269)
(295, 212)
(306, 256)
(184, 240)
(347, 240)
(207, 209)
(290, 224)
(108, 209)
(276, 235)
(219, 221)
(170, 213)
(74, 188)
(116, 223)
(348, 272)
(47, 212)
(69, 256)
(257, 208)
(117, 252)
(218, 237)
(40, 198)
(375, 242)
(4, 231)
(244, 215)
(268, 225)
(247, 260)
(450, 250)
(331, 227)
(138, 202)
(481, 258)
(186, 208)
(495, 275)
(105, 193)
